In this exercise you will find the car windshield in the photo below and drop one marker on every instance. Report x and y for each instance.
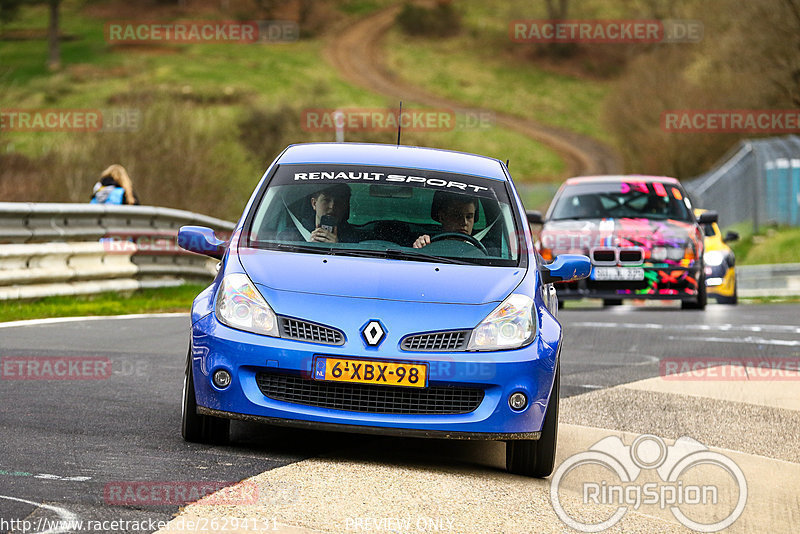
(631, 199)
(387, 212)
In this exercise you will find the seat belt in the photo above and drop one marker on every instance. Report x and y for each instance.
(300, 228)
(480, 235)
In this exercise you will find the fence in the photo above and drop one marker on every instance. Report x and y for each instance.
(758, 181)
(69, 249)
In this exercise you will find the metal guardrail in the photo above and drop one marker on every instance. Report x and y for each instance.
(68, 249)
(768, 280)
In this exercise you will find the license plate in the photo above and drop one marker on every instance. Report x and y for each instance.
(618, 273)
(413, 375)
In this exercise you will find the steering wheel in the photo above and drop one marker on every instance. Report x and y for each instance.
(464, 237)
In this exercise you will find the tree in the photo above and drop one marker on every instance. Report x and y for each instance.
(9, 9)
(557, 11)
(53, 40)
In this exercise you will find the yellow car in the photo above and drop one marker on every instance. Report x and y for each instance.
(720, 263)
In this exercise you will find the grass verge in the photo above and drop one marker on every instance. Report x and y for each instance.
(212, 88)
(773, 245)
(481, 67)
(162, 300)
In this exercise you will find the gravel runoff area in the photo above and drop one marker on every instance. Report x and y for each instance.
(750, 428)
(439, 486)
(360, 495)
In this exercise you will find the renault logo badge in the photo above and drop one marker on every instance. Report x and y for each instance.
(373, 333)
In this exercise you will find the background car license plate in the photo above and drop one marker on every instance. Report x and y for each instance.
(618, 273)
(371, 372)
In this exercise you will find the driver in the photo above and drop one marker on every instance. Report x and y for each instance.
(456, 213)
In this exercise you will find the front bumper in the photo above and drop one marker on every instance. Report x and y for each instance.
(498, 374)
(666, 282)
(721, 280)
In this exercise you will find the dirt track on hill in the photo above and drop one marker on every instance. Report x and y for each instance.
(357, 53)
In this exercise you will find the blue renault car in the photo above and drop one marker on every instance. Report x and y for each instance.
(380, 289)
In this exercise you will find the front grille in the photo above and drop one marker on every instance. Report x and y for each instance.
(436, 341)
(604, 256)
(631, 256)
(305, 331)
(369, 398)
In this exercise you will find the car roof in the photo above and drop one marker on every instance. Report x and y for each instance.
(621, 178)
(434, 159)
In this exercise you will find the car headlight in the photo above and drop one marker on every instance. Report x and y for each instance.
(675, 253)
(509, 326)
(240, 305)
(714, 257)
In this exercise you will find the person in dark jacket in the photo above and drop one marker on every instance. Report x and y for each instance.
(114, 187)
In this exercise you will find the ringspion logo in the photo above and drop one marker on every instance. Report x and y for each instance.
(612, 475)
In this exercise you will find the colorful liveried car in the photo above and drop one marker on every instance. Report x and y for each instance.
(381, 289)
(640, 233)
(720, 262)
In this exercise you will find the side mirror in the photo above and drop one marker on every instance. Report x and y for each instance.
(566, 268)
(201, 240)
(534, 217)
(730, 237)
(708, 217)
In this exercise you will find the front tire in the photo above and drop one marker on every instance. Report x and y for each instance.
(536, 458)
(612, 302)
(702, 297)
(197, 428)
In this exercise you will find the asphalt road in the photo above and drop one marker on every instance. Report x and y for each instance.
(64, 443)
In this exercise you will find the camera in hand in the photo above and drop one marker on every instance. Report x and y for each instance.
(328, 222)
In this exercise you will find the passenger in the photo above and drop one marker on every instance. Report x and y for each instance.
(456, 213)
(114, 187)
(333, 204)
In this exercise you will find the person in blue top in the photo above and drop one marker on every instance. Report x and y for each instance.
(114, 187)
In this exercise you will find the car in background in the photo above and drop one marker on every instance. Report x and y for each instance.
(640, 233)
(720, 262)
(456, 339)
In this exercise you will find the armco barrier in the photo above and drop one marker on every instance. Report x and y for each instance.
(68, 249)
(768, 280)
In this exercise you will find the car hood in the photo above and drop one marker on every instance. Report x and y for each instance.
(582, 235)
(375, 278)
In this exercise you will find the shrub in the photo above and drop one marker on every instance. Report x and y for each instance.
(440, 21)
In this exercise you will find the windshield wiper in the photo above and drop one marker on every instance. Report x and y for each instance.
(293, 247)
(397, 254)
(421, 255)
(366, 253)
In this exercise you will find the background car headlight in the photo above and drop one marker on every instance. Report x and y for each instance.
(509, 326)
(713, 257)
(240, 305)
